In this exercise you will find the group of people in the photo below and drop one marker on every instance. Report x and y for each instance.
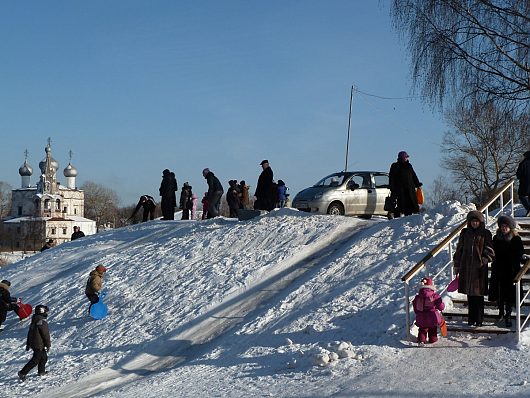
(38, 338)
(269, 195)
(476, 248)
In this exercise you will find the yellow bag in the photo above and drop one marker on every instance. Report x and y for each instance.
(419, 195)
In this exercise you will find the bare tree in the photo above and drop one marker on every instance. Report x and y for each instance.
(443, 190)
(101, 203)
(5, 199)
(473, 50)
(484, 147)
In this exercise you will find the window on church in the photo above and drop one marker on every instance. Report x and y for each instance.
(58, 205)
(19, 210)
(64, 209)
(53, 231)
(64, 231)
(47, 204)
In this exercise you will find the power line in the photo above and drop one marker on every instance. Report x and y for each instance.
(384, 98)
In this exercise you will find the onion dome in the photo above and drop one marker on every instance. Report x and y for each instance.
(70, 171)
(25, 170)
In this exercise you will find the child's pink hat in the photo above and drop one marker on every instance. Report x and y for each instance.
(427, 283)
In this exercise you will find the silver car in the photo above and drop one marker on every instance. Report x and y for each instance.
(355, 193)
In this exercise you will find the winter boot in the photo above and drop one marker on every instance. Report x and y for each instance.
(21, 376)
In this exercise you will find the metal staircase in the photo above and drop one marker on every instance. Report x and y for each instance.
(438, 265)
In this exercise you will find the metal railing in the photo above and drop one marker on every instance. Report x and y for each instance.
(518, 301)
(449, 244)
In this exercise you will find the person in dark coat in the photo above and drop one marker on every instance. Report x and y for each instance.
(233, 198)
(473, 253)
(215, 192)
(7, 303)
(77, 233)
(94, 285)
(403, 183)
(48, 245)
(523, 175)
(148, 203)
(167, 190)
(185, 201)
(509, 252)
(39, 341)
(264, 189)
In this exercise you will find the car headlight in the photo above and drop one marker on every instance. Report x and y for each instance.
(317, 196)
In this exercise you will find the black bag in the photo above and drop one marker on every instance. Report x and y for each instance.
(390, 204)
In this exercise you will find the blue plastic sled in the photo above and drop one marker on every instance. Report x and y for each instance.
(99, 310)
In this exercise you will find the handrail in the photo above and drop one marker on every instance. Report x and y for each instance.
(447, 241)
(518, 300)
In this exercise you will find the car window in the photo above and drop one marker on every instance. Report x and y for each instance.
(357, 181)
(331, 181)
(381, 181)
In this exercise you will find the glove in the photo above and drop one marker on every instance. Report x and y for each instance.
(420, 184)
(27, 348)
(48, 349)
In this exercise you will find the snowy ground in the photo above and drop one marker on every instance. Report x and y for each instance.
(224, 308)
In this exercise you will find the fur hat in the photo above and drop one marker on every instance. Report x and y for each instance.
(6, 282)
(263, 162)
(507, 220)
(403, 156)
(475, 215)
(426, 283)
(205, 171)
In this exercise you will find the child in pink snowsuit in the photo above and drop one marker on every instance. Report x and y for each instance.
(426, 305)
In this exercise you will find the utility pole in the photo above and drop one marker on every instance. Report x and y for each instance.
(349, 124)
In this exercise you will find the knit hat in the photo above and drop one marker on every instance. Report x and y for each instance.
(101, 268)
(507, 220)
(403, 156)
(426, 283)
(205, 171)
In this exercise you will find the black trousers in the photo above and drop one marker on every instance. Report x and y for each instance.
(39, 359)
(476, 309)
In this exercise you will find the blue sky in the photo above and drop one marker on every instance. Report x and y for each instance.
(134, 87)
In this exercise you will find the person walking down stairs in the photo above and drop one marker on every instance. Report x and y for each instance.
(509, 254)
(473, 253)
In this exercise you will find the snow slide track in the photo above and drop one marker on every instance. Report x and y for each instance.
(204, 329)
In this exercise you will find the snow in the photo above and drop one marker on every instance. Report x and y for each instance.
(286, 304)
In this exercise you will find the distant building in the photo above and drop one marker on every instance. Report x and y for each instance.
(47, 210)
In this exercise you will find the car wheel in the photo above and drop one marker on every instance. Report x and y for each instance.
(336, 209)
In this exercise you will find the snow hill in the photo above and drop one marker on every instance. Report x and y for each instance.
(287, 304)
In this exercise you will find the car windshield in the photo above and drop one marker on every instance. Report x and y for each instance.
(333, 180)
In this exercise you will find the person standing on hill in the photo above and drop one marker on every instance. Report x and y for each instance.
(427, 305)
(282, 194)
(264, 189)
(39, 341)
(245, 199)
(232, 198)
(148, 204)
(215, 192)
(77, 233)
(523, 175)
(185, 201)
(167, 190)
(473, 253)
(509, 253)
(403, 183)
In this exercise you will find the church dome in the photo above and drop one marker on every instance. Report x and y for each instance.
(25, 170)
(70, 171)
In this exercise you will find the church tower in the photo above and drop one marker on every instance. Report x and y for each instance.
(25, 172)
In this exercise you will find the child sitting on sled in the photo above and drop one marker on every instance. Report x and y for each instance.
(427, 305)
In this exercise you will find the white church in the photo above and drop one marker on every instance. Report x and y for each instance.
(46, 210)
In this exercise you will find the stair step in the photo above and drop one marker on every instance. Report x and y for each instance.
(487, 303)
(487, 329)
(489, 314)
